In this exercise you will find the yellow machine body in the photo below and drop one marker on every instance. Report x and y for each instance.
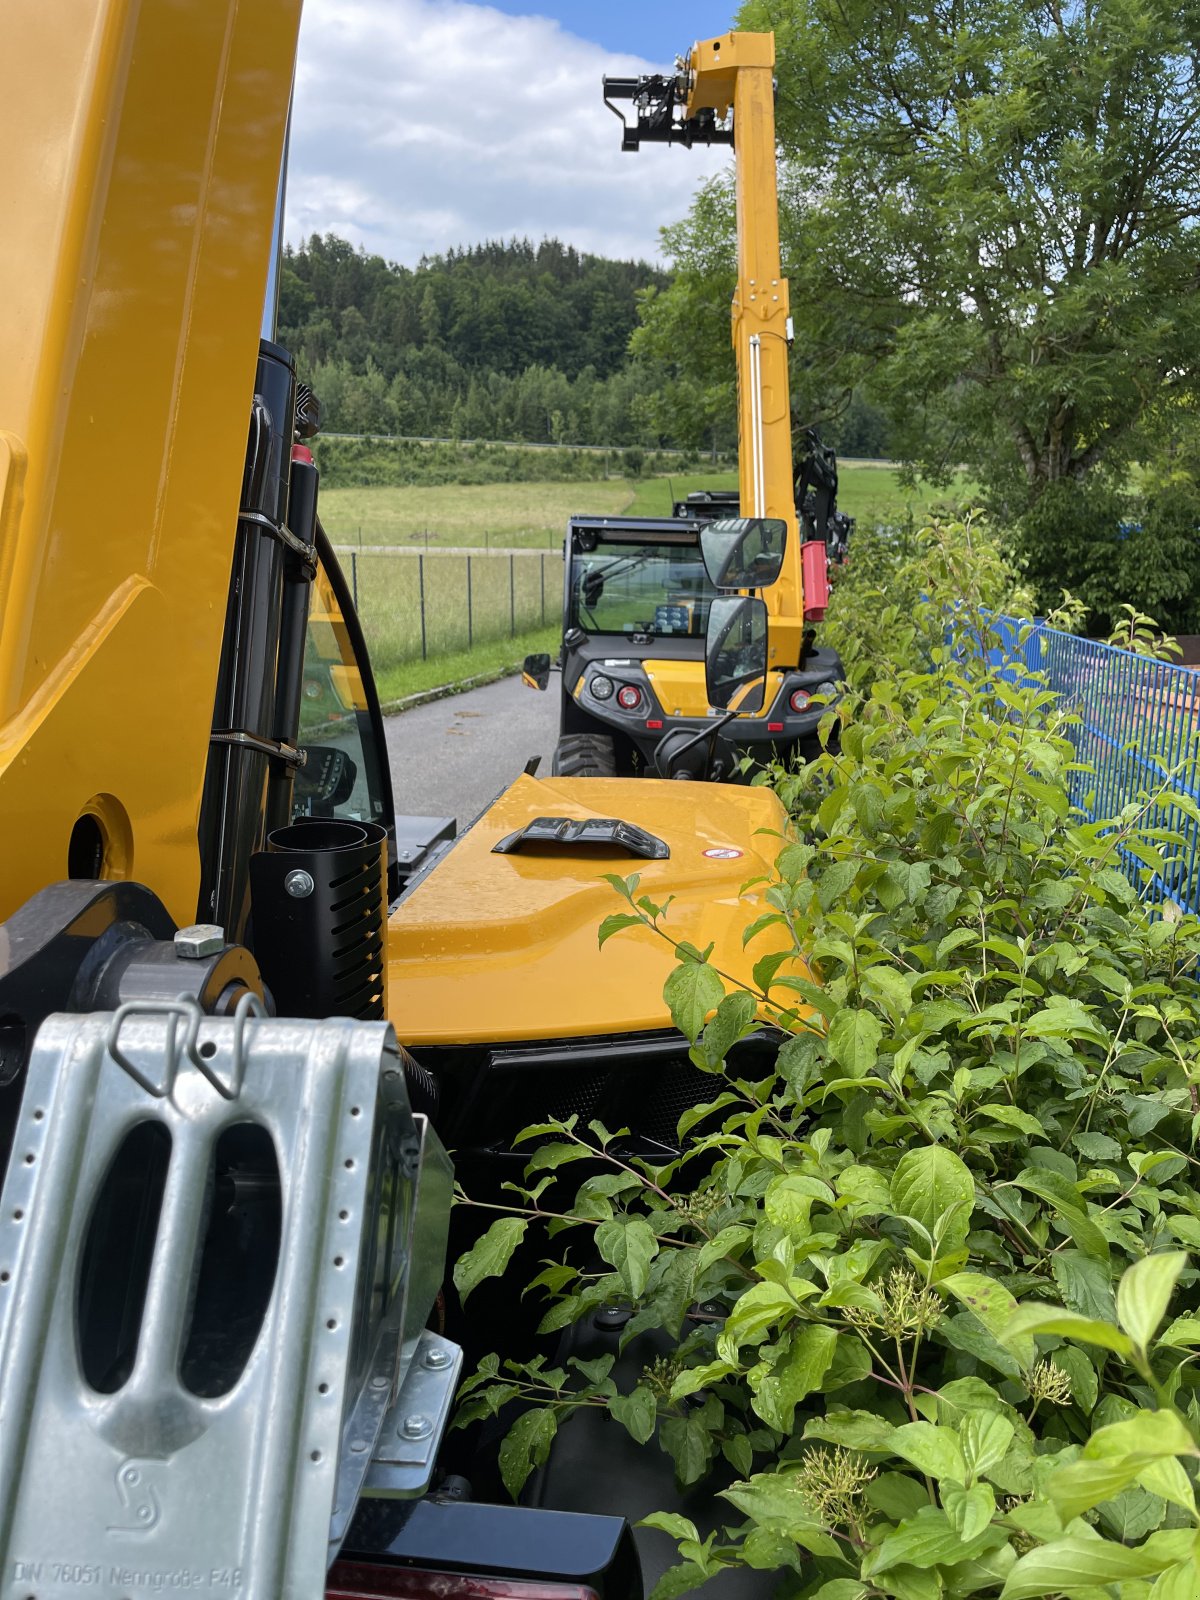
(505, 948)
(134, 243)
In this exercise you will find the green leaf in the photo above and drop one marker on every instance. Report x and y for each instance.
(1179, 1582)
(733, 1020)
(970, 1510)
(729, 1241)
(692, 1379)
(1014, 1117)
(935, 1187)
(856, 1430)
(1182, 1333)
(1073, 1563)
(614, 924)
(888, 987)
(680, 1580)
(854, 1041)
(790, 1198)
(1085, 1285)
(932, 1450)
(800, 1372)
(1144, 1293)
(636, 1412)
(629, 1245)
(1069, 1206)
(835, 883)
(927, 1540)
(670, 1522)
(692, 990)
(1084, 1383)
(526, 1446)
(762, 1307)
(985, 1437)
(689, 1444)
(993, 1305)
(1068, 1325)
(774, 1500)
(489, 1256)
(1096, 1146)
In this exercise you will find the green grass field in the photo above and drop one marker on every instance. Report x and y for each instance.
(455, 515)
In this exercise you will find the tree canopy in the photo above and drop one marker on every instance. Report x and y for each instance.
(989, 213)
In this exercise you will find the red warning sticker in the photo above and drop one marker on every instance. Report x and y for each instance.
(723, 853)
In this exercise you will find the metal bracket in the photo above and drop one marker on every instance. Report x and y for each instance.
(280, 531)
(135, 1460)
(275, 748)
(404, 1459)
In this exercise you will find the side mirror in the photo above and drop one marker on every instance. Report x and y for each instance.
(326, 779)
(535, 674)
(735, 653)
(743, 552)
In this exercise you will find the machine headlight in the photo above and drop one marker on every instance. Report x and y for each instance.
(601, 687)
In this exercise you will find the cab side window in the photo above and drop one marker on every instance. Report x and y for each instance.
(342, 776)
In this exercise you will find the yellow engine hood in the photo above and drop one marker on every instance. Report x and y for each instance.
(504, 947)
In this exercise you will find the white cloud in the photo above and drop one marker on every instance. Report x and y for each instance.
(424, 124)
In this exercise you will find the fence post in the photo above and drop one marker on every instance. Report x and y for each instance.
(354, 576)
(512, 596)
(421, 582)
(470, 627)
(542, 564)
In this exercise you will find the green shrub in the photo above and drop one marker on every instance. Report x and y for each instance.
(991, 1096)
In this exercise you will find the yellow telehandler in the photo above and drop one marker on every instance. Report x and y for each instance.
(637, 590)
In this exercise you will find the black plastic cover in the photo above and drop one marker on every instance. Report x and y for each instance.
(588, 833)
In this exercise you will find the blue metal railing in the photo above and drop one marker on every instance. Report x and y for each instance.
(1135, 727)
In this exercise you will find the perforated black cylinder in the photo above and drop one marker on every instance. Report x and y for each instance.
(319, 898)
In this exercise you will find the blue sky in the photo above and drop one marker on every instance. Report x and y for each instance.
(422, 125)
(660, 30)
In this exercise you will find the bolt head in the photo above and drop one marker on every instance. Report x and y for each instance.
(198, 940)
(417, 1426)
(299, 884)
(436, 1359)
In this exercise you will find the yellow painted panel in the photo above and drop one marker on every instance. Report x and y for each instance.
(142, 147)
(504, 947)
(681, 689)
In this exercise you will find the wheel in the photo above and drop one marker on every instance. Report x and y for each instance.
(585, 755)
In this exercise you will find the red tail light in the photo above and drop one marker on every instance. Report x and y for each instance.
(630, 697)
(353, 1580)
(799, 700)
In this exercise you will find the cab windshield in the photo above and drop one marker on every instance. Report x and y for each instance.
(648, 588)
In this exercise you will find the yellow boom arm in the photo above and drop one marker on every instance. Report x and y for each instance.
(736, 72)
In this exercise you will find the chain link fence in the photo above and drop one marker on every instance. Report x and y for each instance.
(1137, 740)
(414, 604)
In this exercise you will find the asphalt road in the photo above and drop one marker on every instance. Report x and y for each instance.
(452, 757)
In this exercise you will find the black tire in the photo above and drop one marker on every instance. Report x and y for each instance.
(585, 755)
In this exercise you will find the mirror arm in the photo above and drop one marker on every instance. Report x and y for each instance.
(709, 733)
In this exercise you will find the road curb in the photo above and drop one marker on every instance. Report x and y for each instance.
(424, 697)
